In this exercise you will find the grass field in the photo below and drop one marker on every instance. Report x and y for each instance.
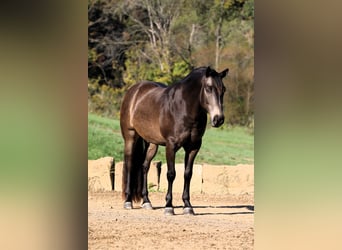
(228, 146)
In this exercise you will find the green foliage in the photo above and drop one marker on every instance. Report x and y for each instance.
(248, 10)
(104, 100)
(180, 70)
(227, 145)
(137, 71)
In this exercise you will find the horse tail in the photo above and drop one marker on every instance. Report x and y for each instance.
(136, 172)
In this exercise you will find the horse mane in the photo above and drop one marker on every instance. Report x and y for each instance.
(197, 72)
(193, 75)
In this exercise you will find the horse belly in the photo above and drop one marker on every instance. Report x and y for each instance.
(150, 133)
(147, 125)
(146, 111)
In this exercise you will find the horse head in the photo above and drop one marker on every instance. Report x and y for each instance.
(212, 95)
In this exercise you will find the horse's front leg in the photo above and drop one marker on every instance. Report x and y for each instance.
(151, 152)
(190, 154)
(171, 175)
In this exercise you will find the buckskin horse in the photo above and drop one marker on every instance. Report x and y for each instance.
(173, 116)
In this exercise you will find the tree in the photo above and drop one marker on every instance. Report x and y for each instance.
(106, 44)
(154, 19)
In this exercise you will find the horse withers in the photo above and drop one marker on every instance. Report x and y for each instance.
(173, 116)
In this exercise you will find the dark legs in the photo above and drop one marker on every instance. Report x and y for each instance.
(190, 155)
(150, 153)
(147, 153)
(128, 162)
(171, 175)
(138, 155)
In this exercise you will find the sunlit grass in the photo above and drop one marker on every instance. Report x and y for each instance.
(229, 146)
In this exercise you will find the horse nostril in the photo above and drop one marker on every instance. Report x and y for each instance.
(215, 120)
(221, 120)
(218, 120)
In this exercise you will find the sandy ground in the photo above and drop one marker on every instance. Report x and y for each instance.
(222, 221)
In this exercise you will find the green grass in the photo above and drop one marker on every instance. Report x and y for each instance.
(104, 138)
(229, 146)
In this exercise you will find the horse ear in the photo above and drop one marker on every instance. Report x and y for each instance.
(224, 73)
(208, 71)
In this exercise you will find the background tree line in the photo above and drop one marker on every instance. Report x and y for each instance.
(162, 40)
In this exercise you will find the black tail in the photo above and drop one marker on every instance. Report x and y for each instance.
(136, 173)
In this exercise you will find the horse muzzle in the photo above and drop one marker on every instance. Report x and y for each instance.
(217, 121)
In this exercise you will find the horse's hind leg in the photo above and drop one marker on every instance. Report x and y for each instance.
(130, 140)
(150, 153)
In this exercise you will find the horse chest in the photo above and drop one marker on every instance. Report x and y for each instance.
(182, 137)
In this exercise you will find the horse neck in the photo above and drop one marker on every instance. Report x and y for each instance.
(191, 91)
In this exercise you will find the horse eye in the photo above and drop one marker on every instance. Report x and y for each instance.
(208, 88)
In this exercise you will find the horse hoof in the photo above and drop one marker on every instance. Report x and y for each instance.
(128, 205)
(147, 205)
(169, 211)
(188, 211)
